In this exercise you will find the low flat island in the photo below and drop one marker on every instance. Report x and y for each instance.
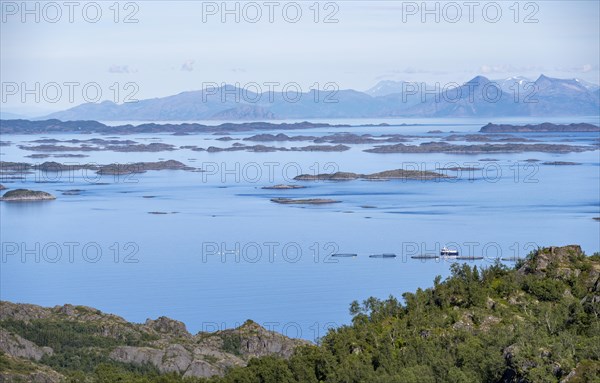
(26, 195)
(308, 201)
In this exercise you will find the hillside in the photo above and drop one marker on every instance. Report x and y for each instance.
(68, 343)
(536, 322)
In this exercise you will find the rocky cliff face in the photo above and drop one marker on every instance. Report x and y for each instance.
(16, 346)
(163, 343)
(206, 354)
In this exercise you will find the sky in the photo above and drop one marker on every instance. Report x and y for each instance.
(146, 49)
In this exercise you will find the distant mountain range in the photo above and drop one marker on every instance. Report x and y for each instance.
(479, 97)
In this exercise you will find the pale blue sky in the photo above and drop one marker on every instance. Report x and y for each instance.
(171, 49)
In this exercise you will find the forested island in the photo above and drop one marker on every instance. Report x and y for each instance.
(90, 126)
(57, 126)
(490, 138)
(534, 322)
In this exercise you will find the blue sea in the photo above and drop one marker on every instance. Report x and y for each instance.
(221, 252)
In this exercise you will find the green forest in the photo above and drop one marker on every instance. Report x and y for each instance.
(534, 322)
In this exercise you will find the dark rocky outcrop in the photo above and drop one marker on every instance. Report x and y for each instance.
(169, 326)
(337, 138)
(237, 147)
(142, 167)
(559, 259)
(283, 187)
(152, 147)
(266, 137)
(112, 169)
(25, 195)
(384, 175)
(444, 147)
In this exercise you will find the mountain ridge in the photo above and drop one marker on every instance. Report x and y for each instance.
(478, 97)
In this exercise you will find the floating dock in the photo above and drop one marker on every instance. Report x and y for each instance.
(384, 255)
(425, 256)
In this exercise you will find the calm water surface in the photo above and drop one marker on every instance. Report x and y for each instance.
(225, 253)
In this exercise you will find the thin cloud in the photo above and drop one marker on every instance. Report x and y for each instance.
(506, 68)
(408, 71)
(121, 69)
(585, 68)
(188, 66)
(411, 70)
